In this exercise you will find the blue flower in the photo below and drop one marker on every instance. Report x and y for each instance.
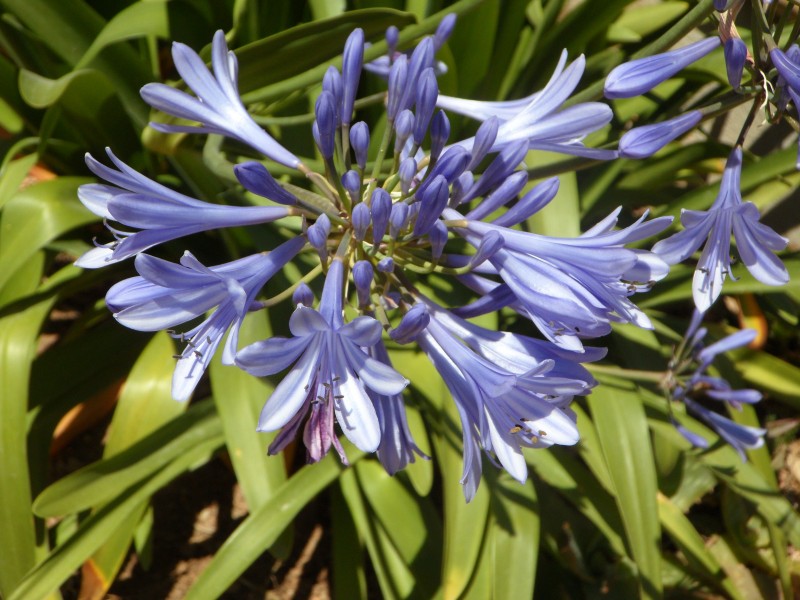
(511, 391)
(397, 447)
(166, 295)
(331, 372)
(217, 107)
(755, 241)
(572, 288)
(161, 213)
(699, 384)
(540, 119)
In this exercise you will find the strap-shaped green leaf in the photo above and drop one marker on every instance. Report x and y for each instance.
(262, 527)
(90, 486)
(622, 429)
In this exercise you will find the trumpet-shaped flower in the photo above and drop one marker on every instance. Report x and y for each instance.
(572, 288)
(331, 373)
(162, 214)
(506, 395)
(540, 119)
(166, 295)
(728, 215)
(217, 107)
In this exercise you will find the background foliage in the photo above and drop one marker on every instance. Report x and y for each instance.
(631, 510)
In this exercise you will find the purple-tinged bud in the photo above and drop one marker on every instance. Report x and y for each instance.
(352, 61)
(535, 200)
(501, 167)
(490, 244)
(398, 218)
(723, 5)
(641, 142)
(450, 165)
(444, 31)
(351, 181)
(332, 83)
(411, 325)
(257, 179)
(440, 131)
(427, 93)
(392, 37)
(397, 86)
(359, 142)
(640, 76)
(303, 295)
(317, 233)
(362, 277)
(484, 140)
(788, 69)
(407, 172)
(501, 195)
(735, 57)
(403, 126)
(380, 206)
(421, 59)
(385, 265)
(461, 186)
(325, 111)
(431, 204)
(360, 221)
(438, 238)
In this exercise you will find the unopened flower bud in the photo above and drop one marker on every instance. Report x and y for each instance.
(444, 30)
(406, 173)
(398, 218)
(484, 140)
(411, 325)
(403, 126)
(360, 221)
(431, 205)
(532, 202)
(735, 57)
(359, 142)
(440, 131)
(642, 75)
(380, 209)
(351, 182)
(386, 265)
(645, 141)
(325, 111)
(257, 179)
(303, 295)
(362, 277)
(427, 93)
(397, 85)
(352, 61)
(438, 239)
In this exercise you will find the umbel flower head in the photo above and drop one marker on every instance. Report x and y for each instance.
(375, 228)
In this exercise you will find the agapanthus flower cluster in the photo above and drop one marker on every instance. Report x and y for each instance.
(378, 225)
(689, 382)
(729, 215)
